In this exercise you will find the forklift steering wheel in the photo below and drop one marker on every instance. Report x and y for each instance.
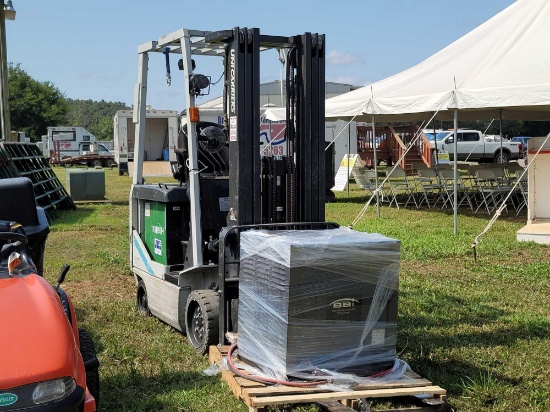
(17, 240)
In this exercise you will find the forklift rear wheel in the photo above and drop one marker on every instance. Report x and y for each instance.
(142, 303)
(201, 319)
(87, 350)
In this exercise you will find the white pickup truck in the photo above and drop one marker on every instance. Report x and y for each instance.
(474, 147)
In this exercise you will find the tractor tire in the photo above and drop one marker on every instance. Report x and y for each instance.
(201, 319)
(87, 350)
(142, 303)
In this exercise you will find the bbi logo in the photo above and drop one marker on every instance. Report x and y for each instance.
(345, 303)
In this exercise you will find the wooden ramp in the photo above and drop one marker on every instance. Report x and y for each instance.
(258, 396)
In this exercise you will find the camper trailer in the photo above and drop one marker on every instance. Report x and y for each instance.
(62, 142)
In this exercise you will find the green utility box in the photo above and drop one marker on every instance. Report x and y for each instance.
(163, 231)
(86, 184)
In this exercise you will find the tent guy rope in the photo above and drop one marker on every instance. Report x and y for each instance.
(503, 205)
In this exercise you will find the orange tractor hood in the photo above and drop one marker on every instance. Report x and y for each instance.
(36, 339)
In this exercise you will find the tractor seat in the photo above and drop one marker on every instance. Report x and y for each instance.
(19, 205)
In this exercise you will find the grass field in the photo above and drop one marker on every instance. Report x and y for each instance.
(480, 331)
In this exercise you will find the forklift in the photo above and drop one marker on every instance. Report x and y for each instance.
(184, 235)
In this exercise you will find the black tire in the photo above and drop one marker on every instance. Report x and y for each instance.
(96, 163)
(201, 319)
(142, 302)
(505, 157)
(87, 350)
(110, 163)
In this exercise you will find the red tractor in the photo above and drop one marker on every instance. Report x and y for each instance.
(46, 362)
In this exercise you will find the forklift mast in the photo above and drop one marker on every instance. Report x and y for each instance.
(305, 166)
(269, 190)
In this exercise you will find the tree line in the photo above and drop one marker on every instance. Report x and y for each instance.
(510, 128)
(35, 106)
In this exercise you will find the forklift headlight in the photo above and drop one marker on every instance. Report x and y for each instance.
(53, 390)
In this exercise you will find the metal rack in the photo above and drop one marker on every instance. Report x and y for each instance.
(26, 160)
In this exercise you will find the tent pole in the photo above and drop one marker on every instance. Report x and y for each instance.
(435, 143)
(500, 125)
(375, 165)
(455, 159)
(349, 150)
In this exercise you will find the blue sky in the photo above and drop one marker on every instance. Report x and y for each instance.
(88, 49)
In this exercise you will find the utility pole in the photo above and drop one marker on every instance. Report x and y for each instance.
(6, 12)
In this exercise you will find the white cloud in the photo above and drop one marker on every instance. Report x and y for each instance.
(337, 58)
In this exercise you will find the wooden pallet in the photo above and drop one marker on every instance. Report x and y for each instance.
(258, 396)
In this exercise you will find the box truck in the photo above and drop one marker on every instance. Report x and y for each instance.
(161, 133)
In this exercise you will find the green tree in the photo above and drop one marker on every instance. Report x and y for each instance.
(510, 128)
(34, 105)
(97, 117)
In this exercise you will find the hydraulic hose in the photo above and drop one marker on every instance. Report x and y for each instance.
(267, 381)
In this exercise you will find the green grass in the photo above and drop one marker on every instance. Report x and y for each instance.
(480, 331)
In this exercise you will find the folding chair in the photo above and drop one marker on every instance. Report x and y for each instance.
(444, 166)
(431, 188)
(446, 177)
(489, 190)
(513, 171)
(416, 166)
(471, 181)
(400, 187)
(523, 194)
(366, 180)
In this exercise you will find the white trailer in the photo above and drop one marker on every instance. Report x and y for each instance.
(161, 133)
(62, 142)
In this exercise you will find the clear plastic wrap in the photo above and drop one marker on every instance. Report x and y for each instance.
(314, 303)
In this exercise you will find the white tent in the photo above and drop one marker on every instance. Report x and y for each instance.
(502, 64)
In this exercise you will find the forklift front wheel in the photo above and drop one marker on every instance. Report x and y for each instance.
(201, 319)
(142, 304)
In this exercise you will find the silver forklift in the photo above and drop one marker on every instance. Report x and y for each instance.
(184, 234)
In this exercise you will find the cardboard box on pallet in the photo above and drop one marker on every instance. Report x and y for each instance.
(316, 300)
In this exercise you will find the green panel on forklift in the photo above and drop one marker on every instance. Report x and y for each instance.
(164, 231)
(155, 231)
